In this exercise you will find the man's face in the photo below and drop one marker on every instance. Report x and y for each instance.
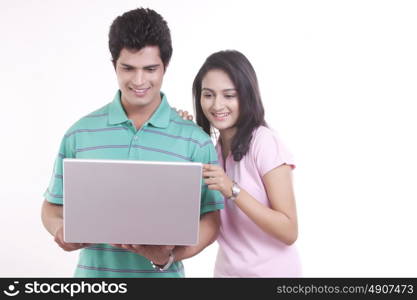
(140, 74)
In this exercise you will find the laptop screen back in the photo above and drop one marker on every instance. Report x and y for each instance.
(131, 202)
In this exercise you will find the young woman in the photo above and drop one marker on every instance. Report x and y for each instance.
(259, 221)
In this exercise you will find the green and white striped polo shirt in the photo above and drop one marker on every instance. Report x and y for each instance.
(107, 133)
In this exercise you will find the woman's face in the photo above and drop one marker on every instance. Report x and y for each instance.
(219, 100)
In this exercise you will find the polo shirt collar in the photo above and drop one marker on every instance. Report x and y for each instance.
(160, 118)
(117, 114)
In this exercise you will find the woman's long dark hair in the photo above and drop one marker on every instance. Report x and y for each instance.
(243, 76)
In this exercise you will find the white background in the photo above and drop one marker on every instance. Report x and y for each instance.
(338, 80)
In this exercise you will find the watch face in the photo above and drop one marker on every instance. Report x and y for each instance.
(235, 190)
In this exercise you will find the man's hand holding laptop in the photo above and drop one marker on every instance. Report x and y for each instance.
(158, 254)
(59, 239)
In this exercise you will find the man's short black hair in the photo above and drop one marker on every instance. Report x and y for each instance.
(137, 29)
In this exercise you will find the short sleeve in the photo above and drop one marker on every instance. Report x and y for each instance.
(211, 200)
(54, 192)
(269, 151)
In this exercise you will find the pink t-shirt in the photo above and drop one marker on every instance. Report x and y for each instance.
(244, 249)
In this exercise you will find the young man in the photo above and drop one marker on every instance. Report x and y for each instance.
(137, 124)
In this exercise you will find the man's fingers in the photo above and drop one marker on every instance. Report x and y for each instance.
(127, 247)
(59, 242)
(68, 246)
(165, 247)
(137, 247)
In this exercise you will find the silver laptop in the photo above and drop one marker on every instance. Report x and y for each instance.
(131, 202)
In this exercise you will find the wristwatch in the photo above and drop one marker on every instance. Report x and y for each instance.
(165, 267)
(235, 191)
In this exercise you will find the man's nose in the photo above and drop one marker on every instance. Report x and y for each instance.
(138, 78)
